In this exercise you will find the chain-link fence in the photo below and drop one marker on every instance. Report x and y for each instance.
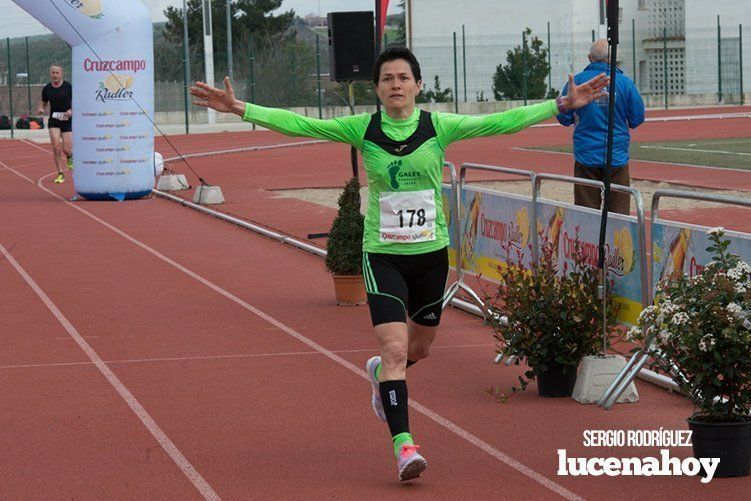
(670, 66)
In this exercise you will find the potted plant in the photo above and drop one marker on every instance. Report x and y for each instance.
(344, 247)
(554, 317)
(702, 326)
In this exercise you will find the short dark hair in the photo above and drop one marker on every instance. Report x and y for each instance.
(392, 54)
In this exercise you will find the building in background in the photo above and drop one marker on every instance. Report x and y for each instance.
(675, 42)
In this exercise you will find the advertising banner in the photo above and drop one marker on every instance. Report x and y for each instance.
(493, 224)
(113, 92)
(683, 247)
(490, 227)
(560, 222)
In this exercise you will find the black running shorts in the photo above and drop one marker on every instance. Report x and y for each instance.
(406, 285)
(63, 125)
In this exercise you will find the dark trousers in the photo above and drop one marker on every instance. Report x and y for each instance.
(589, 196)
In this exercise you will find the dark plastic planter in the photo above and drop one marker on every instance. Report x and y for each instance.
(554, 383)
(731, 442)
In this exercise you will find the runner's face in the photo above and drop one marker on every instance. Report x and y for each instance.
(56, 74)
(397, 87)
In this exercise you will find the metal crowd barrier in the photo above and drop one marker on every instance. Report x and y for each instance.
(460, 284)
(614, 391)
(616, 388)
(640, 358)
(532, 175)
(479, 307)
(638, 201)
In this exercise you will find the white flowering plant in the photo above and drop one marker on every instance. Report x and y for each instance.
(702, 325)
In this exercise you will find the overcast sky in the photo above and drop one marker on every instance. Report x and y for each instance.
(15, 22)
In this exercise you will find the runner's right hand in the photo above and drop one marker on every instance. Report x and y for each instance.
(211, 97)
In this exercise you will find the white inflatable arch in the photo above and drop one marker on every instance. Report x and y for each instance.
(113, 92)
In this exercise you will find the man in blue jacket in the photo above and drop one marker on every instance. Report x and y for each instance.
(590, 133)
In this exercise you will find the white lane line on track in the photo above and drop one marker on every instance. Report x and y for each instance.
(28, 164)
(673, 148)
(220, 357)
(447, 424)
(14, 171)
(711, 142)
(244, 149)
(156, 431)
(677, 118)
(26, 141)
(710, 116)
(710, 167)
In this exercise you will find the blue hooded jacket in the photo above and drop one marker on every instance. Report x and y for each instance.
(591, 121)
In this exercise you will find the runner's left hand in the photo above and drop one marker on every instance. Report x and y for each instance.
(583, 94)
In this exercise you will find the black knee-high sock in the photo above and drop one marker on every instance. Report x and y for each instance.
(394, 398)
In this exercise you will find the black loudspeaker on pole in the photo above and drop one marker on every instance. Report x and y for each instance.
(351, 45)
(351, 53)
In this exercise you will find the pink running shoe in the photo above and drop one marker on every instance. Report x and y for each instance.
(409, 462)
(375, 401)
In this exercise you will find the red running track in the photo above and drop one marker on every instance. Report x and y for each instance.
(225, 343)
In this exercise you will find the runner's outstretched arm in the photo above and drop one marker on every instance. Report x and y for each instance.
(347, 129)
(452, 127)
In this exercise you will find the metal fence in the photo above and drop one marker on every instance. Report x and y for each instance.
(699, 67)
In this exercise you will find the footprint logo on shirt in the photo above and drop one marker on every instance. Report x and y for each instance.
(393, 170)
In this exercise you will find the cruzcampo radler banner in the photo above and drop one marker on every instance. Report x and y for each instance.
(113, 92)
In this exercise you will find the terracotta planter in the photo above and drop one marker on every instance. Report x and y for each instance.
(349, 290)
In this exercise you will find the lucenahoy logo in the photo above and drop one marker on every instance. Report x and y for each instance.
(90, 8)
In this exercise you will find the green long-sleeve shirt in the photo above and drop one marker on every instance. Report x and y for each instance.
(405, 209)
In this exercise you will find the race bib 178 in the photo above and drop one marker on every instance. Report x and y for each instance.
(407, 217)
